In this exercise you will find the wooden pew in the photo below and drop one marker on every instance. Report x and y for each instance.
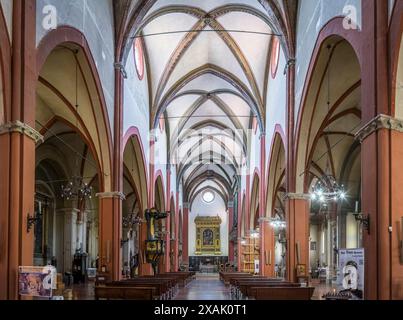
(286, 293)
(161, 289)
(124, 293)
(249, 291)
(241, 288)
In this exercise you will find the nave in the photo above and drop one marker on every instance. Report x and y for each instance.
(146, 144)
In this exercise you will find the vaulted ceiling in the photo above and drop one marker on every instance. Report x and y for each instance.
(208, 65)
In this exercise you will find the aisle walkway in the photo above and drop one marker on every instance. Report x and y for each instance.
(205, 287)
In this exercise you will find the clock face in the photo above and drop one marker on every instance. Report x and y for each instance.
(275, 55)
(139, 58)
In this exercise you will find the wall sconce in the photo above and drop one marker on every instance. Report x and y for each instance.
(363, 219)
(33, 220)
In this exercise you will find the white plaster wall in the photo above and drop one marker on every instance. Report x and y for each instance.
(399, 86)
(352, 230)
(391, 4)
(254, 153)
(312, 16)
(94, 18)
(217, 207)
(161, 154)
(173, 182)
(314, 236)
(135, 104)
(276, 103)
(7, 7)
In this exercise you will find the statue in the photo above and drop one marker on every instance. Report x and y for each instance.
(154, 246)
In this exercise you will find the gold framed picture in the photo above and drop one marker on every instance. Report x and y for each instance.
(301, 270)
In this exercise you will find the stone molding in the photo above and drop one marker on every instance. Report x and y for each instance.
(186, 205)
(230, 204)
(23, 128)
(381, 121)
(297, 196)
(108, 195)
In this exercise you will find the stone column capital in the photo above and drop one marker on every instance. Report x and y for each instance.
(381, 121)
(110, 195)
(23, 128)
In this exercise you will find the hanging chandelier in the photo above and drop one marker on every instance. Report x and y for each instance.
(327, 190)
(277, 223)
(76, 189)
(131, 220)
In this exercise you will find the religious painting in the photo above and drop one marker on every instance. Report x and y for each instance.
(301, 270)
(208, 237)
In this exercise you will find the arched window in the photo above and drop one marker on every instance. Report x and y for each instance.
(139, 58)
(275, 55)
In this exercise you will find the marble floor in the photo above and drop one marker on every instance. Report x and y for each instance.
(205, 287)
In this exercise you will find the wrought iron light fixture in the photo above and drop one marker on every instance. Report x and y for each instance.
(33, 220)
(362, 218)
(131, 220)
(327, 190)
(76, 189)
(277, 223)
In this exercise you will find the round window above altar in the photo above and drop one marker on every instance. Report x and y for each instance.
(208, 196)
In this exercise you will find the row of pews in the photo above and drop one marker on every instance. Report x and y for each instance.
(244, 286)
(160, 287)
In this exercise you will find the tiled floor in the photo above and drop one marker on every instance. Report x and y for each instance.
(205, 287)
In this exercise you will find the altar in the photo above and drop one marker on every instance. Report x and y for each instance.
(208, 268)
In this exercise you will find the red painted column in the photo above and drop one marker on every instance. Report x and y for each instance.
(110, 225)
(185, 245)
(265, 234)
(168, 223)
(239, 246)
(17, 158)
(297, 219)
(176, 247)
(230, 226)
(376, 152)
(117, 181)
(247, 204)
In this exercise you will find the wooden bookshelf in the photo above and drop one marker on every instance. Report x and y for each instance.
(250, 253)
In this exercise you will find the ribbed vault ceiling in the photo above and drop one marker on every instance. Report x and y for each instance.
(208, 64)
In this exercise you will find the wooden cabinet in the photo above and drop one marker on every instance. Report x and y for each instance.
(250, 253)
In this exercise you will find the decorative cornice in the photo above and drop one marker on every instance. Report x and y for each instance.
(379, 122)
(297, 196)
(18, 126)
(108, 195)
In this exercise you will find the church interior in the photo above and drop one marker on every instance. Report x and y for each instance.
(201, 150)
